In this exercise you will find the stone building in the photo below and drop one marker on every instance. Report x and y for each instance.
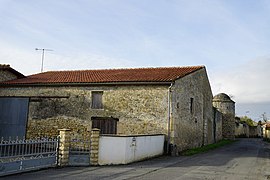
(8, 73)
(176, 101)
(223, 103)
(265, 131)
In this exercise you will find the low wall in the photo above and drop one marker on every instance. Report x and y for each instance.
(126, 149)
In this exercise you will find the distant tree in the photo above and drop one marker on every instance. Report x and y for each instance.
(264, 117)
(247, 120)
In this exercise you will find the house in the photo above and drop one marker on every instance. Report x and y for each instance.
(265, 129)
(175, 101)
(11, 125)
(8, 73)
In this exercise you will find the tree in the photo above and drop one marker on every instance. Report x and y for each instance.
(247, 120)
(264, 117)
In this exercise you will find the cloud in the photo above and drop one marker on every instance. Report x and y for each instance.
(247, 83)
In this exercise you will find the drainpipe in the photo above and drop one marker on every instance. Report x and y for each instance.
(169, 117)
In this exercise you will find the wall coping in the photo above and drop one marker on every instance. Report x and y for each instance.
(134, 135)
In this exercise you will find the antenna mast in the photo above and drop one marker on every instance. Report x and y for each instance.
(42, 57)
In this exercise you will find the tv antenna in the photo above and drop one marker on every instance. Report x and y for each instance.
(42, 57)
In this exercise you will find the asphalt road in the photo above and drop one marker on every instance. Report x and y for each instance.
(245, 159)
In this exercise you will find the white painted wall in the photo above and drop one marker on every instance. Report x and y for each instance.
(127, 149)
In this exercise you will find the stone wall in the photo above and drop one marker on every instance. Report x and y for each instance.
(6, 75)
(241, 130)
(218, 125)
(192, 120)
(254, 131)
(140, 109)
(228, 126)
(244, 130)
(48, 127)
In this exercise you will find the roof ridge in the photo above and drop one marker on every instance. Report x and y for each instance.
(145, 74)
(140, 68)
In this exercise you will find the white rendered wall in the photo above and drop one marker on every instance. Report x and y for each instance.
(127, 149)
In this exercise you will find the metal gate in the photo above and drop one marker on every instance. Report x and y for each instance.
(79, 152)
(13, 116)
(24, 155)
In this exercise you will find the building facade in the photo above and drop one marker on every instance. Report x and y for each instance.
(173, 101)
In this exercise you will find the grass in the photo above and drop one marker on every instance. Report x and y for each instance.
(206, 148)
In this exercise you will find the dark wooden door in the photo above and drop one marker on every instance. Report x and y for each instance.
(107, 125)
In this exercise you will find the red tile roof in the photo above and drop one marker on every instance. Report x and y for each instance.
(163, 74)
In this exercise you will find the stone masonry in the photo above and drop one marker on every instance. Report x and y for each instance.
(94, 147)
(6, 75)
(226, 106)
(192, 127)
(141, 109)
(64, 146)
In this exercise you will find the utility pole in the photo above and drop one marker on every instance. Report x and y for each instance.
(42, 57)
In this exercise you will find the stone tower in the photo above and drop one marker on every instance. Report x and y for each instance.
(226, 106)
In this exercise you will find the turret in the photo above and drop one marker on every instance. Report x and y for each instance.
(226, 106)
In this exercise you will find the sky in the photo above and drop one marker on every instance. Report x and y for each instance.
(230, 37)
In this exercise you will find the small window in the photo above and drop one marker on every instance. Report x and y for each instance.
(191, 105)
(107, 125)
(97, 100)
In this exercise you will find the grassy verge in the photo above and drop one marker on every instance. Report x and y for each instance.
(206, 148)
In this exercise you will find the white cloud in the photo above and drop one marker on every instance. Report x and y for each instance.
(248, 83)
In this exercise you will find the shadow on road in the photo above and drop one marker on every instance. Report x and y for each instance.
(228, 156)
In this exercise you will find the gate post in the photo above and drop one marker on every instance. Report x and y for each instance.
(64, 144)
(94, 147)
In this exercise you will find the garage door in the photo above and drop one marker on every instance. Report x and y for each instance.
(13, 116)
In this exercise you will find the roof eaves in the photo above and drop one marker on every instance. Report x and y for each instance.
(85, 84)
(199, 68)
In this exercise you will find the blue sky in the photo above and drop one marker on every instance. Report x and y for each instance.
(230, 37)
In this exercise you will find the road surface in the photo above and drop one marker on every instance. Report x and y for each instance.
(244, 159)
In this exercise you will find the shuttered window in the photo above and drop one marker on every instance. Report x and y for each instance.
(97, 100)
(107, 125)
